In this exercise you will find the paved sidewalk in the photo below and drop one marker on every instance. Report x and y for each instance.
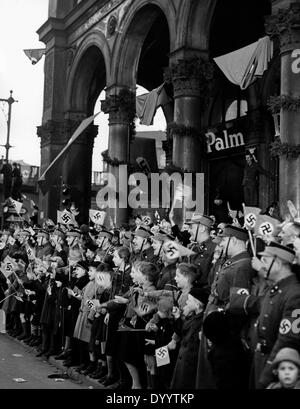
(60, 368)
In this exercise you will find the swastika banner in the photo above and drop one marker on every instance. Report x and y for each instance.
(65, 217)
(162, 356)
(97, 216)
(8, 266)
(174, 250)
(266, 225)
(250, 216)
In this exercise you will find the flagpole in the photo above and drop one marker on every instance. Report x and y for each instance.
(8, 296)
(250, 235)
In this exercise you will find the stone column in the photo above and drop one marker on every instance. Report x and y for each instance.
(53, 140)
(190, 78)
(120, 104)
(284, 23)
(77, 168)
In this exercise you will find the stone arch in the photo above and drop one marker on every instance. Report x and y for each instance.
(195, 23)
(88, 74)
(86, 79)
(135, 27)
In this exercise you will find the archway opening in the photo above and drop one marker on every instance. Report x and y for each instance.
(154, 58)
(234, 25)
(88, 83)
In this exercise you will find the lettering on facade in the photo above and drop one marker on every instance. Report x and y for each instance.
(296, 63)
(224, 141)
(102, 14)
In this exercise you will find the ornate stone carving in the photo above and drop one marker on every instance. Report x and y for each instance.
(111, 26)
(52, 133)
(121, 109)
(191, 77)
(86, 138)
(284, 21)
(58, 133)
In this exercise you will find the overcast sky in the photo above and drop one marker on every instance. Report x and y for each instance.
(19, 21)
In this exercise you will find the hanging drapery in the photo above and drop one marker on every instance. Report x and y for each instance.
(147, 104)
(242, 67)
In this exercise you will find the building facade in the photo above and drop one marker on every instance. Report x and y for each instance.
(114, 45)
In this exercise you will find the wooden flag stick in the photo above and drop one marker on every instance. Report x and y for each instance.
(250, 235)
(251, 243)
(8, 296)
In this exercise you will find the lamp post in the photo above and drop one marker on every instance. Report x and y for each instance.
(10, 101)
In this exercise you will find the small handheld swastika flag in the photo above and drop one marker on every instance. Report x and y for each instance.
(250, 216)
(97, 216)
(266, 225)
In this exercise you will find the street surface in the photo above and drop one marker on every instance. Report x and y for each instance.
(34, 370)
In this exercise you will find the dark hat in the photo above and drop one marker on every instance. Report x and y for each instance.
(84, 228)
(162, 235)
(73, 232)
(198, 218)
(234, 231)
(83, 264)
(200, 294)
(91, 246)
(142, 231)
(20, 256)
(216, 326)
(283, 252)
(105, 233)
(94, 264)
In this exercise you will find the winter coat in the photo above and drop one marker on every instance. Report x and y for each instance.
(50, 301)
(277, 385)
(166, 278)
(83, 326)
(184, 376)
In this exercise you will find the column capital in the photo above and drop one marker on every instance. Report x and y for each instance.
(87, 136)
(121, 103)
(120, 106)
(58, 133)
(283, 24)
(190, 77)
(52, 133)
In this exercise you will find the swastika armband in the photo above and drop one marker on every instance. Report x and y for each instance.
(291, 324)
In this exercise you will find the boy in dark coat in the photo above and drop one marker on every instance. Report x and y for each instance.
(184, 376)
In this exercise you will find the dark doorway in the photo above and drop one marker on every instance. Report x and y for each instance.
(225, 184)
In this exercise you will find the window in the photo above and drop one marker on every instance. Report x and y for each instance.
(229, 104)
(236, 109)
